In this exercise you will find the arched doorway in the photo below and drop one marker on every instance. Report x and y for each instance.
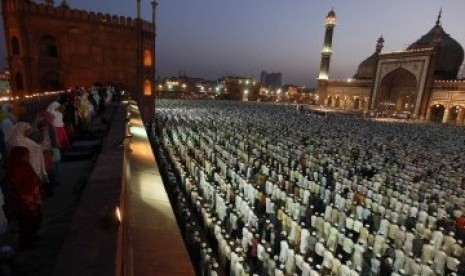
(397, 92)
(338, 102)
(437, 113)
(356, 103)
(454, 113)
(330, 101)
(50, 81)
(48, 47)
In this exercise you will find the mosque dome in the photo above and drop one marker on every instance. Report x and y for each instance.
(367, 68)
(449, 54)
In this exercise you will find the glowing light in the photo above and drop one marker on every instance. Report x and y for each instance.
(323, 76)
(118, 214)
(326, 50)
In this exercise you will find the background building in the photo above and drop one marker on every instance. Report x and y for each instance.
(420, 81)
(271, 80)
(51, 48)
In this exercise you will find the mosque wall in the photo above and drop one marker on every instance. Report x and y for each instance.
(62, 47)
(448, 93)
(347, 94)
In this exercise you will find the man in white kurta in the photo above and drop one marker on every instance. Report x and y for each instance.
(304, 234)
(439, 263)
(283, 248)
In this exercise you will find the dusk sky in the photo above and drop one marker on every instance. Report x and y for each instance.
(211, 38)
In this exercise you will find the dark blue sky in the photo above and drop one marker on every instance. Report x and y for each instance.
(210, 38)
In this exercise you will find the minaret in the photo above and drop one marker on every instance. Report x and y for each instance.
(154, 22)
(327, 45)
(379, 44)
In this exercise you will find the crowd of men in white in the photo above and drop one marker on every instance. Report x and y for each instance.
(288, 193)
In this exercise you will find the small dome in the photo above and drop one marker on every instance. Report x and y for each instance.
(331, 14)
(450, 53)
(367, 68)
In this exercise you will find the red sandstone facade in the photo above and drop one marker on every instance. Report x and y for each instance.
(52, 48)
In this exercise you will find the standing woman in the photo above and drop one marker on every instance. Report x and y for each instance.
(57, 123)
(46, 138)
(26, 172)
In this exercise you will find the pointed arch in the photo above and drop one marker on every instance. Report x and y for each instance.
(148, 62)
(147, 88)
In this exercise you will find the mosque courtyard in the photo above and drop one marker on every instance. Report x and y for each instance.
(277, 192)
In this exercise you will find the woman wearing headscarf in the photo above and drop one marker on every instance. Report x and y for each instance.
(26, 195)
(18, 137)
(57, 123)
(46, 138)
(7, 120)
(26, 172)
(85, 110)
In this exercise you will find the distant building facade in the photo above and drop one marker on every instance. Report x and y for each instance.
(420, 81)
(51, 48)
(271, 80)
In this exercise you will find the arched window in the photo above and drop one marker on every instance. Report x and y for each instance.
(48, 46)
(19, 81)
(15, 45)
(147, 58)
(147, 88)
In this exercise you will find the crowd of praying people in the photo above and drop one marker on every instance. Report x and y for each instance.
(281, 192)
(31, 155)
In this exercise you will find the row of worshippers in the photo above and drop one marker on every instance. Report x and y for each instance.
(83, 104)
(322, 216)
(32, 156)
(32, 153)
